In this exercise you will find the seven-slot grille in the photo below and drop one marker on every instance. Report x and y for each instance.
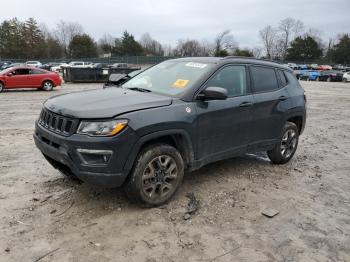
(57, 123)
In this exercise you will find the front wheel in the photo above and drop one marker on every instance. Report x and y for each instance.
(1, 87)
(47, 86)
(156, 175)
(286, 147)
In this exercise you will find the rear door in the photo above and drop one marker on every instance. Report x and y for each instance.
(223, 126)
(271, 100)
(19, 78)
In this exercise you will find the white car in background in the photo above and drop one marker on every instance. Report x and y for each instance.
(56, 67)
(33, 63)
(346, 77)
(80, 64)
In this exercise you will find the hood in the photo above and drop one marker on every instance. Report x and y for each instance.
(104, 103)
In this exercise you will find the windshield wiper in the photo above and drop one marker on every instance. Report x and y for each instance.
(139, 89)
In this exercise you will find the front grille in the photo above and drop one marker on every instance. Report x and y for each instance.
(56, 123)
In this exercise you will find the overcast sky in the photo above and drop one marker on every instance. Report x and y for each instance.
(168, 21)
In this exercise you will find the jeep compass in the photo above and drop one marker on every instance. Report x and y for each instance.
(174, 117)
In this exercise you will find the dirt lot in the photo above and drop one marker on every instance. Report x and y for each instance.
(42, 212)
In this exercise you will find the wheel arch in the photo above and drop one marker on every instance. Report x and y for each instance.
(298, 120)
(177, 138)
(47, 79)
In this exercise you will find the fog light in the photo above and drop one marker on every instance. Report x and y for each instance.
(95, 157)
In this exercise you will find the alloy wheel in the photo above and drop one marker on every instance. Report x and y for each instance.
(47, 86)
(159, 177)
(288, 143)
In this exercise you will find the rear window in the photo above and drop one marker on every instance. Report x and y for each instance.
(264, 79)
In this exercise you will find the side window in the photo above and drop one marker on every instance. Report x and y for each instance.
(22, 72)
(264, 79)
(282, 78)
(36, 72)
(232, 78)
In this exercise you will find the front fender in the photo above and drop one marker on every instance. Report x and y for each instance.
(170, 132)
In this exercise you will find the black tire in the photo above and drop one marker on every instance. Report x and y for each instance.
(285, 149)
(317, 79)
(47, 85)
(329, 79)
(156, 168)
(1, 87)
(344, 81)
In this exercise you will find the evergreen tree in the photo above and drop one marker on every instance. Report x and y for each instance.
(340, 53)
(304, 49)
(34, 40)
(82, 46)
(127, 46)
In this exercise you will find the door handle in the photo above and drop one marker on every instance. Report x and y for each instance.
(245, 104)
(282, 98)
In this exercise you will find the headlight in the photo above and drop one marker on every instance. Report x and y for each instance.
(102, 128)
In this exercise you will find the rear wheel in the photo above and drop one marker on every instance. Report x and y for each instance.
(344, 80)
(156, 175)
(1, 87)
(47, 85)
(286, 147)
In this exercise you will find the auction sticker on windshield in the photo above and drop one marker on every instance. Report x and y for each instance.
(196, 65)
(180, 83)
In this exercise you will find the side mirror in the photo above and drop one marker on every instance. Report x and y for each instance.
(10, 74)
(213, 93)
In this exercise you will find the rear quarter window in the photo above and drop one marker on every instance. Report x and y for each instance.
(264, 79)
(282, 77)
(291, 78)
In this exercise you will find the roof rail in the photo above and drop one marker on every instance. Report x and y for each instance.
(247, 57)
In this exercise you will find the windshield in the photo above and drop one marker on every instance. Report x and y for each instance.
(169, 77)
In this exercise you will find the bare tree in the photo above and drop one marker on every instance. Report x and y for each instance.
(106, 44)
(151, 46)
(188, 48)
(289, 28)
(224, 41)
(257, 52)
(268, 37)
(65, 31)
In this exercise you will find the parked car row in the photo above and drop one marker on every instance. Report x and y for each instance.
(328, 75)
(57, 66)
(343, 68)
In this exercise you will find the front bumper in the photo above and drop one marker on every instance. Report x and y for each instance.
(63, 153)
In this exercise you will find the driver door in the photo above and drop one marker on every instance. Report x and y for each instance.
(19, 78)
(224, 126)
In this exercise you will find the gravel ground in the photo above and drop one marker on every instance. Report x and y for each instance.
(45, 217)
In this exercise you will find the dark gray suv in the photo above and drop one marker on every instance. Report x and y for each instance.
(174, 117)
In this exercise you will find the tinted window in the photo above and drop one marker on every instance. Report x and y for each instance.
(264, 79)
(282, 77)
(36, 72)
(21, 72)
(232, 78)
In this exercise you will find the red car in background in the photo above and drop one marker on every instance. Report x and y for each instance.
(28, 77)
